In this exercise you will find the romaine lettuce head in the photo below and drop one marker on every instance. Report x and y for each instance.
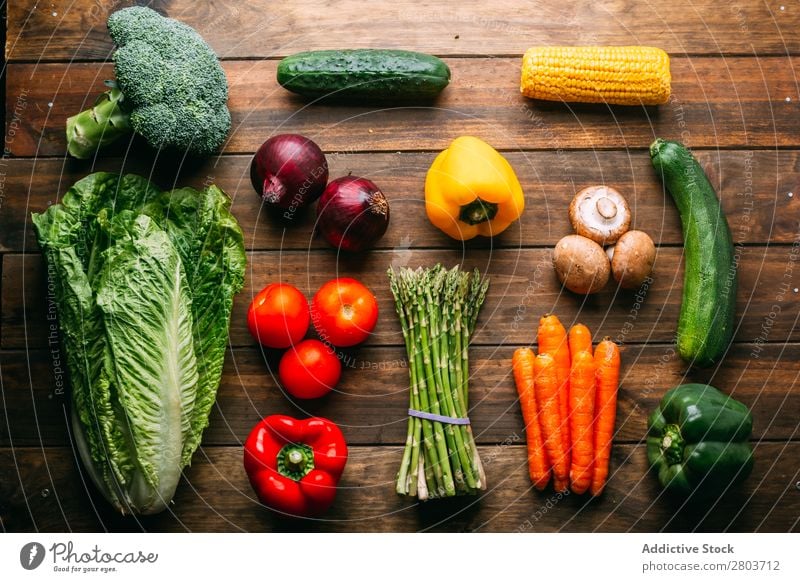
(144, 289)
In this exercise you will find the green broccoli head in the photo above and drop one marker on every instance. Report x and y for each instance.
(174, 88)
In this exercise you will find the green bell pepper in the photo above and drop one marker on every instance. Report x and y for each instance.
(698, 441)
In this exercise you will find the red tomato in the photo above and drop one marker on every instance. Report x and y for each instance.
(310, 369)
(344, 312)
(278, 316)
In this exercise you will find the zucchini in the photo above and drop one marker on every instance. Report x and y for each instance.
(374, 74)
(706, 323)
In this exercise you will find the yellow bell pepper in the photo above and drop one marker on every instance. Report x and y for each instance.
(472, 190)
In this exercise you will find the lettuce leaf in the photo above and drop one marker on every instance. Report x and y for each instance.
(101, 438)
(211, 243)
(92, 391)
(144, 297)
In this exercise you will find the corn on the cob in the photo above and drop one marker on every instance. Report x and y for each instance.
(623, 75)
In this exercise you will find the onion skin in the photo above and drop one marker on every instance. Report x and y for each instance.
(289, 171)
(352, 214)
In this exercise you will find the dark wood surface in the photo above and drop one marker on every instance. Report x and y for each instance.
(264, 29)
(735, 100)
(215, 496)
(726, 103)
(524, 287)
(373, 412)
(763, 213)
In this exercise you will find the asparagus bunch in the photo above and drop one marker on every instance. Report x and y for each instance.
(438, 310)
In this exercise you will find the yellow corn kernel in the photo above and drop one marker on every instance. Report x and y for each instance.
(622, 75)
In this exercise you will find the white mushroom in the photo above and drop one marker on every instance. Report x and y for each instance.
(581, 264)
(632, 259)
(600, 213)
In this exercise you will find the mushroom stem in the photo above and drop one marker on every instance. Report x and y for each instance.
(606, 208)
(600, 213)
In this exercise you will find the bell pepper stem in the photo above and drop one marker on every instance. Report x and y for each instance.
(672, 444)
(295, 461)
(478, 211)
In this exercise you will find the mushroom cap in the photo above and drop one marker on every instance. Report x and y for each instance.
(632, 259)
(581, 264)
(600, 213)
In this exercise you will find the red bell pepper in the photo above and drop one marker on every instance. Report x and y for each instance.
(294, 465)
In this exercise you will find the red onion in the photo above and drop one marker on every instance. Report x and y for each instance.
(352, 213)
(289, 171)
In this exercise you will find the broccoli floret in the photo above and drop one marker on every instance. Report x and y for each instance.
(170, 88)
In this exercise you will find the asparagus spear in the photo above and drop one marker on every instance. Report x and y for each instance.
(407, 482)
(451, 392)
(425, 310)
(428, 428)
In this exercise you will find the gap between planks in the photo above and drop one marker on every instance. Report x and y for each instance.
(503, 150)
(672, 55)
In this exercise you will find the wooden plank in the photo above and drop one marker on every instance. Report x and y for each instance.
(524, 287)
(48, 493)
(735, 102)
(374, 413)
(753, 187)
(259, 28)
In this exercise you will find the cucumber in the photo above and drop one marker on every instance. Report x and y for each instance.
(706, 323)
(374, 74)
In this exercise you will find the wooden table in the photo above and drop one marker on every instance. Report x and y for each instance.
(735, 101)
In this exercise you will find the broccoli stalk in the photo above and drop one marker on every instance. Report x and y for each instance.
(98, 126)
(169, 88)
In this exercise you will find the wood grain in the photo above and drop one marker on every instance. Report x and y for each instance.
(753, 187)
(371, 412)
(731, 102)
(523, 287)
(75, 30)
(47, 493)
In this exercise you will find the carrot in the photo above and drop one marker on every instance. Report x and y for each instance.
(581, 416)
(552, 338)
(522, 363)
(546, 389)
(580, 339)
(607, 364)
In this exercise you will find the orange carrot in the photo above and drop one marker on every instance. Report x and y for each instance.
(580, 339)
(607, 364)
(522, 363)
(552, 338)
(581, 417)
(546, 389)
